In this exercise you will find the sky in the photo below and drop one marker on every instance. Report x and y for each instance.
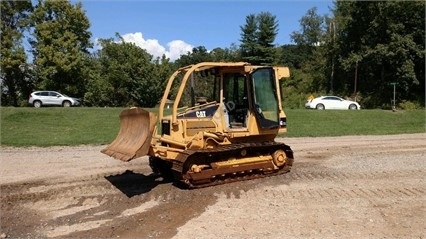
(175, 27)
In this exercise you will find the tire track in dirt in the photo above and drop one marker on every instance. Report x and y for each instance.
(341, 193)
(343, 187)
(314, 175)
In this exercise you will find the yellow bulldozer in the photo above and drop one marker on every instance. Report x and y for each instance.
(216, 123)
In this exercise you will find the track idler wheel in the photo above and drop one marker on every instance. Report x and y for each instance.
(280, 158)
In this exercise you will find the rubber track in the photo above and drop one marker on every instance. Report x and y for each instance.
(238, 178)
(223, 153)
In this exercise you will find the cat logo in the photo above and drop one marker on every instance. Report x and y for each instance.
(201, 114)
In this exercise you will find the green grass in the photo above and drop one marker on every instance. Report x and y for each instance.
(58, 126)
(314, 123)
(75, 126)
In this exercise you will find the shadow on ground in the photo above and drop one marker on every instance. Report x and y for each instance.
(133, 184)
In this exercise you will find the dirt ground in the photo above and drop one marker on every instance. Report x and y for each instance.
(339, 187)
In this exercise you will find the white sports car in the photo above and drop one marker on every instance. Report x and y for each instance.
(331, 103)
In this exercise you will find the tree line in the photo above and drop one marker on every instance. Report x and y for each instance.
(361, 51)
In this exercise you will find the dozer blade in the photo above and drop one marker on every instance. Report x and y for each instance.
(134, 138)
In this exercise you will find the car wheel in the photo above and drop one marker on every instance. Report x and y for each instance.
(320, 107)
(37, 104)
(66, 104)
(352, 107)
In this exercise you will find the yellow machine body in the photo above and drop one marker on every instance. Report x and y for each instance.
(223, 122)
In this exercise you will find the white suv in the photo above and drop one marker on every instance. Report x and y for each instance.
(43, 98)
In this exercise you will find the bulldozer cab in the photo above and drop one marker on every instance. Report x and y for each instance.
(234, 98)
(254, 94)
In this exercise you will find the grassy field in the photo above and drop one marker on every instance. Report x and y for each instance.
(347, 122)
(75, 126)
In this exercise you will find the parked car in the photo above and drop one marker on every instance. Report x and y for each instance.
(331, 103)
(45, 98)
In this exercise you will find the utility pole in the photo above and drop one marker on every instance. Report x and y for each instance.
(356, 78)
(394, 92)
(333, 29)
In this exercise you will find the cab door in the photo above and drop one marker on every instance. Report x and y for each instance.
(236, 100)
(265, 99)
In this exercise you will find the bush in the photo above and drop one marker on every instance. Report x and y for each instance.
(294, 101)
(408, 105)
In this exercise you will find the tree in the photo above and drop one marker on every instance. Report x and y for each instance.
(310, 45)
(226, 55)
(14, 68)
(268, 30)
(163, 69)
(249, 39)
(390, 49)
(257, 37)
(198, 54)
(312, 29)
(292, 56)
(128, 76)
(60, 46)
